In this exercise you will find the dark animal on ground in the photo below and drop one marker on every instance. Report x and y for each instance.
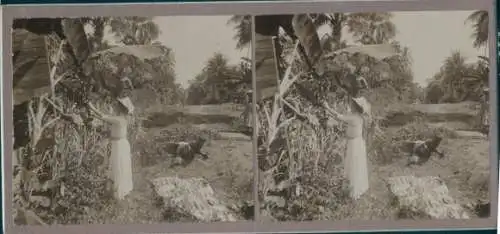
(482, 210)
(187, 150)
(246, 209)
(421, 151)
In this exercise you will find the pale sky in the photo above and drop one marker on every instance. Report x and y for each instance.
(194, 39)
(431, 37)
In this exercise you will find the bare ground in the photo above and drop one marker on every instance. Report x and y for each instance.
(228, 169)
(465, 169)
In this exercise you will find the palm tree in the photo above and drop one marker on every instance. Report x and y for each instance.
(134, 30)
(451, 77)
(371, 28)
(433, 92)
(459, 81)
(367, 28)
(243, 26)
(480, 21)
(217, 71)
(197, 91)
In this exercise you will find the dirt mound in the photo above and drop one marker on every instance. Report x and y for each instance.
(191, 199)
(424, 197)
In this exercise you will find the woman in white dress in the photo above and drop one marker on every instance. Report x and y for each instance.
(355, 157)
(121, 161)
(120, 158)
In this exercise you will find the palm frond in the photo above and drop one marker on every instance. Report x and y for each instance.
(480, 22)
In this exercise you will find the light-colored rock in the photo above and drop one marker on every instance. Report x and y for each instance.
(424, 197)
(193, 198)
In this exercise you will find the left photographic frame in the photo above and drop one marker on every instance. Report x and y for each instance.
(132, 120)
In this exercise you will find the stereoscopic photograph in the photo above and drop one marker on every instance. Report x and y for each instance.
(132, 120)
(373, 116)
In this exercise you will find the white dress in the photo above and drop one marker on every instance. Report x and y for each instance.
(121, 161)
(355, 158)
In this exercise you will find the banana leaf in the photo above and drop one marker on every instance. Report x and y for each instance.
(307, 34)
(379, 51)
(76, 37)
(30, 60)
(30, 66)
(142, 52)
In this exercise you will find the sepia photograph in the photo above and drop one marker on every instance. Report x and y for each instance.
(132, 120)
(373, 116)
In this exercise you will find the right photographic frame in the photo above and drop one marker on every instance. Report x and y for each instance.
(373, 115)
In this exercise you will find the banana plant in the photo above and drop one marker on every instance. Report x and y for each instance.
(274, 85)
(301, 28)
(31, 61)
(35, 72)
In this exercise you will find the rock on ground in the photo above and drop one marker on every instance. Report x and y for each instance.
(192, 199)
(426, 197)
